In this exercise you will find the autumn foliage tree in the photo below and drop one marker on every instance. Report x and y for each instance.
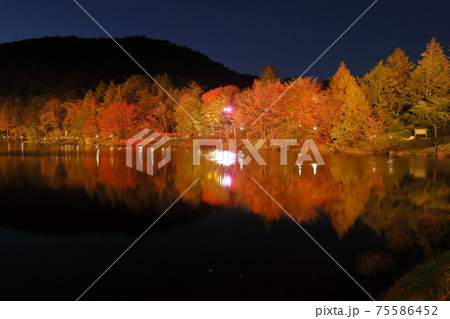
(385, 84)
(11, 118)
(255, 105)
(307, 112)
(118, 121)
(52, 117)
(189, 110)
(342, 112)
(432, 75)
(354, 110)
(217, 109)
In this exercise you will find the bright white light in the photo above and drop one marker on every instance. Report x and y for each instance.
(314, 166)
(227, 109)
(225, 181)
(315, 128)
(224, 158)
(391, 165)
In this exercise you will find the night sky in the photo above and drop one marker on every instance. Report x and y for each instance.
(245, 35)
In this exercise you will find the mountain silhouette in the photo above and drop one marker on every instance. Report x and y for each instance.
(71, 65)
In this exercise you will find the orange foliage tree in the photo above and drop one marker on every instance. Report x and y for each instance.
(118, 120)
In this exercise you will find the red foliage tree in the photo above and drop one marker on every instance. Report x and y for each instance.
(118, 120)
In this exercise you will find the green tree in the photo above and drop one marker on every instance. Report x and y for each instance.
(433, 112)
(385, 84)
(375, 86)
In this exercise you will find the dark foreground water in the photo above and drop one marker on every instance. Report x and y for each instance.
(66, 213)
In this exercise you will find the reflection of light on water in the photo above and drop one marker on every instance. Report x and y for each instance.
(97, 156)
(225, 181)
(111, 150)
(391, 165)
(152, 157)
(140, 159)
(224, 158)
(373, 164)
(314, 166)
(241, 159)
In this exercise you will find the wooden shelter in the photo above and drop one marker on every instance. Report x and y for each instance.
(420, 131)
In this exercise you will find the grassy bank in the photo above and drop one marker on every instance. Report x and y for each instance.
(428, 281)
(401, 147)
(423, 148)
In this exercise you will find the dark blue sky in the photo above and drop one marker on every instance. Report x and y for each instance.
(245, 35)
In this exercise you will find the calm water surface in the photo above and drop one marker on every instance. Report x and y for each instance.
(68, 212)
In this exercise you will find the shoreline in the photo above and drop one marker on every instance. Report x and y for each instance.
(187, 143)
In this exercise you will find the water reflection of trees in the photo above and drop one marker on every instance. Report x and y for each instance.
(404, 199)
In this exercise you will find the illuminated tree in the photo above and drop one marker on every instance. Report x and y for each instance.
(375, 85)
(217, 109)
(385, 84)
(432, 76)
(398, 73)
(307, 112)
(90, 127)
(157, 106)
(118, 120)
(10, 118)
(353, 111)
(270, 74)
(74, 119)
(131, 91)
(433, 112)
(52, 117)
(253, 105)
(191, 104)
(31, 119)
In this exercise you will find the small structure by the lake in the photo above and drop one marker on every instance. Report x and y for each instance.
(420, 132)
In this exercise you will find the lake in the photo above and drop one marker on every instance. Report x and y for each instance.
(68, 212)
